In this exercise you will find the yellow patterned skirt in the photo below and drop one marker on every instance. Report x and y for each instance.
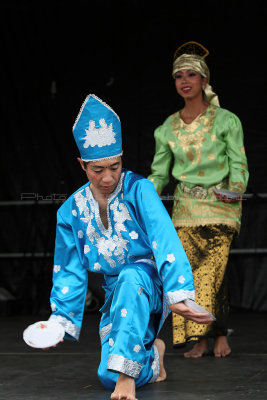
(207, 248)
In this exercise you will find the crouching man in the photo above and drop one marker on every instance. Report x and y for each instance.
(116, 225)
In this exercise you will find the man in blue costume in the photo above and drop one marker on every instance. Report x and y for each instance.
(116, 225)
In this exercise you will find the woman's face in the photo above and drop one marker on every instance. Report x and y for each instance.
(189, 83)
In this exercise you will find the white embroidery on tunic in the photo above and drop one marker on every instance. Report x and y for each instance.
(133, 235)
(107, 244)
(105, 247)
(140, 290)
(65, 290)
(53, 307)
(105, 331)
(80, 234)
(181, 279)
(86, 249)
(97, 266)
(120, 215)
(154, 244)
(111, 342)
(71, 314)
(123, 312)
(69, 327)
(74, 213)
(57, 268)
(179, 295)
(137, 348)
(170, 257)
(82, 206)
(124, 365)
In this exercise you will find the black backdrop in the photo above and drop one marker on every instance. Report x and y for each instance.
(54, 53)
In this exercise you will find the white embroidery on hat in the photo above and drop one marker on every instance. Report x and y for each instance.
(103, 136)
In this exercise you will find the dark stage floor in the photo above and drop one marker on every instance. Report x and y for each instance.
(69, 371)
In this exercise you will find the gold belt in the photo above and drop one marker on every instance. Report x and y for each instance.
(199, 192)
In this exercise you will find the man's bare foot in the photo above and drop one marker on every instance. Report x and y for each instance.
(221, 347)
(161, 349)
(124, 389)
(200, 349)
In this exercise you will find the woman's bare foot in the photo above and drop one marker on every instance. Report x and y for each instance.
(221, 347)
(161, 349)
(124, 389)
(200, 349)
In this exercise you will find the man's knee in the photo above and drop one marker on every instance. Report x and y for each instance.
(135, 274)
(128, 274)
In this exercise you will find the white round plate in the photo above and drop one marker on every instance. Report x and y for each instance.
(43, 334)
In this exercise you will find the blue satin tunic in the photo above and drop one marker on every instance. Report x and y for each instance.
(144, 266)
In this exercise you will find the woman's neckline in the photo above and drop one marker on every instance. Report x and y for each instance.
(196, 117)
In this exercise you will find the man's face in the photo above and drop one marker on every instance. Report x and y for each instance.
(104, 175)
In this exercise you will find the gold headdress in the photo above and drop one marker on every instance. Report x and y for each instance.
(190, 55)
(191, 48)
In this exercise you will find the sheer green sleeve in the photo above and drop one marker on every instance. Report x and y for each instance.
(161, 163)
(238, 169)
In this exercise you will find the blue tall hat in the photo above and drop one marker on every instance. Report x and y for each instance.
(97, 131)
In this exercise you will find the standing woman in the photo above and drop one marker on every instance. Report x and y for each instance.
(205, 142)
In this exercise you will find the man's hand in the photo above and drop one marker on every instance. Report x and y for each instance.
(186, 312)
(47, 348)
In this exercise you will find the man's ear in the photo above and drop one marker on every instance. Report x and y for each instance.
(81, 163)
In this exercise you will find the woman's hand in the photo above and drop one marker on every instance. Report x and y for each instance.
(228, 199)
(186, 312)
